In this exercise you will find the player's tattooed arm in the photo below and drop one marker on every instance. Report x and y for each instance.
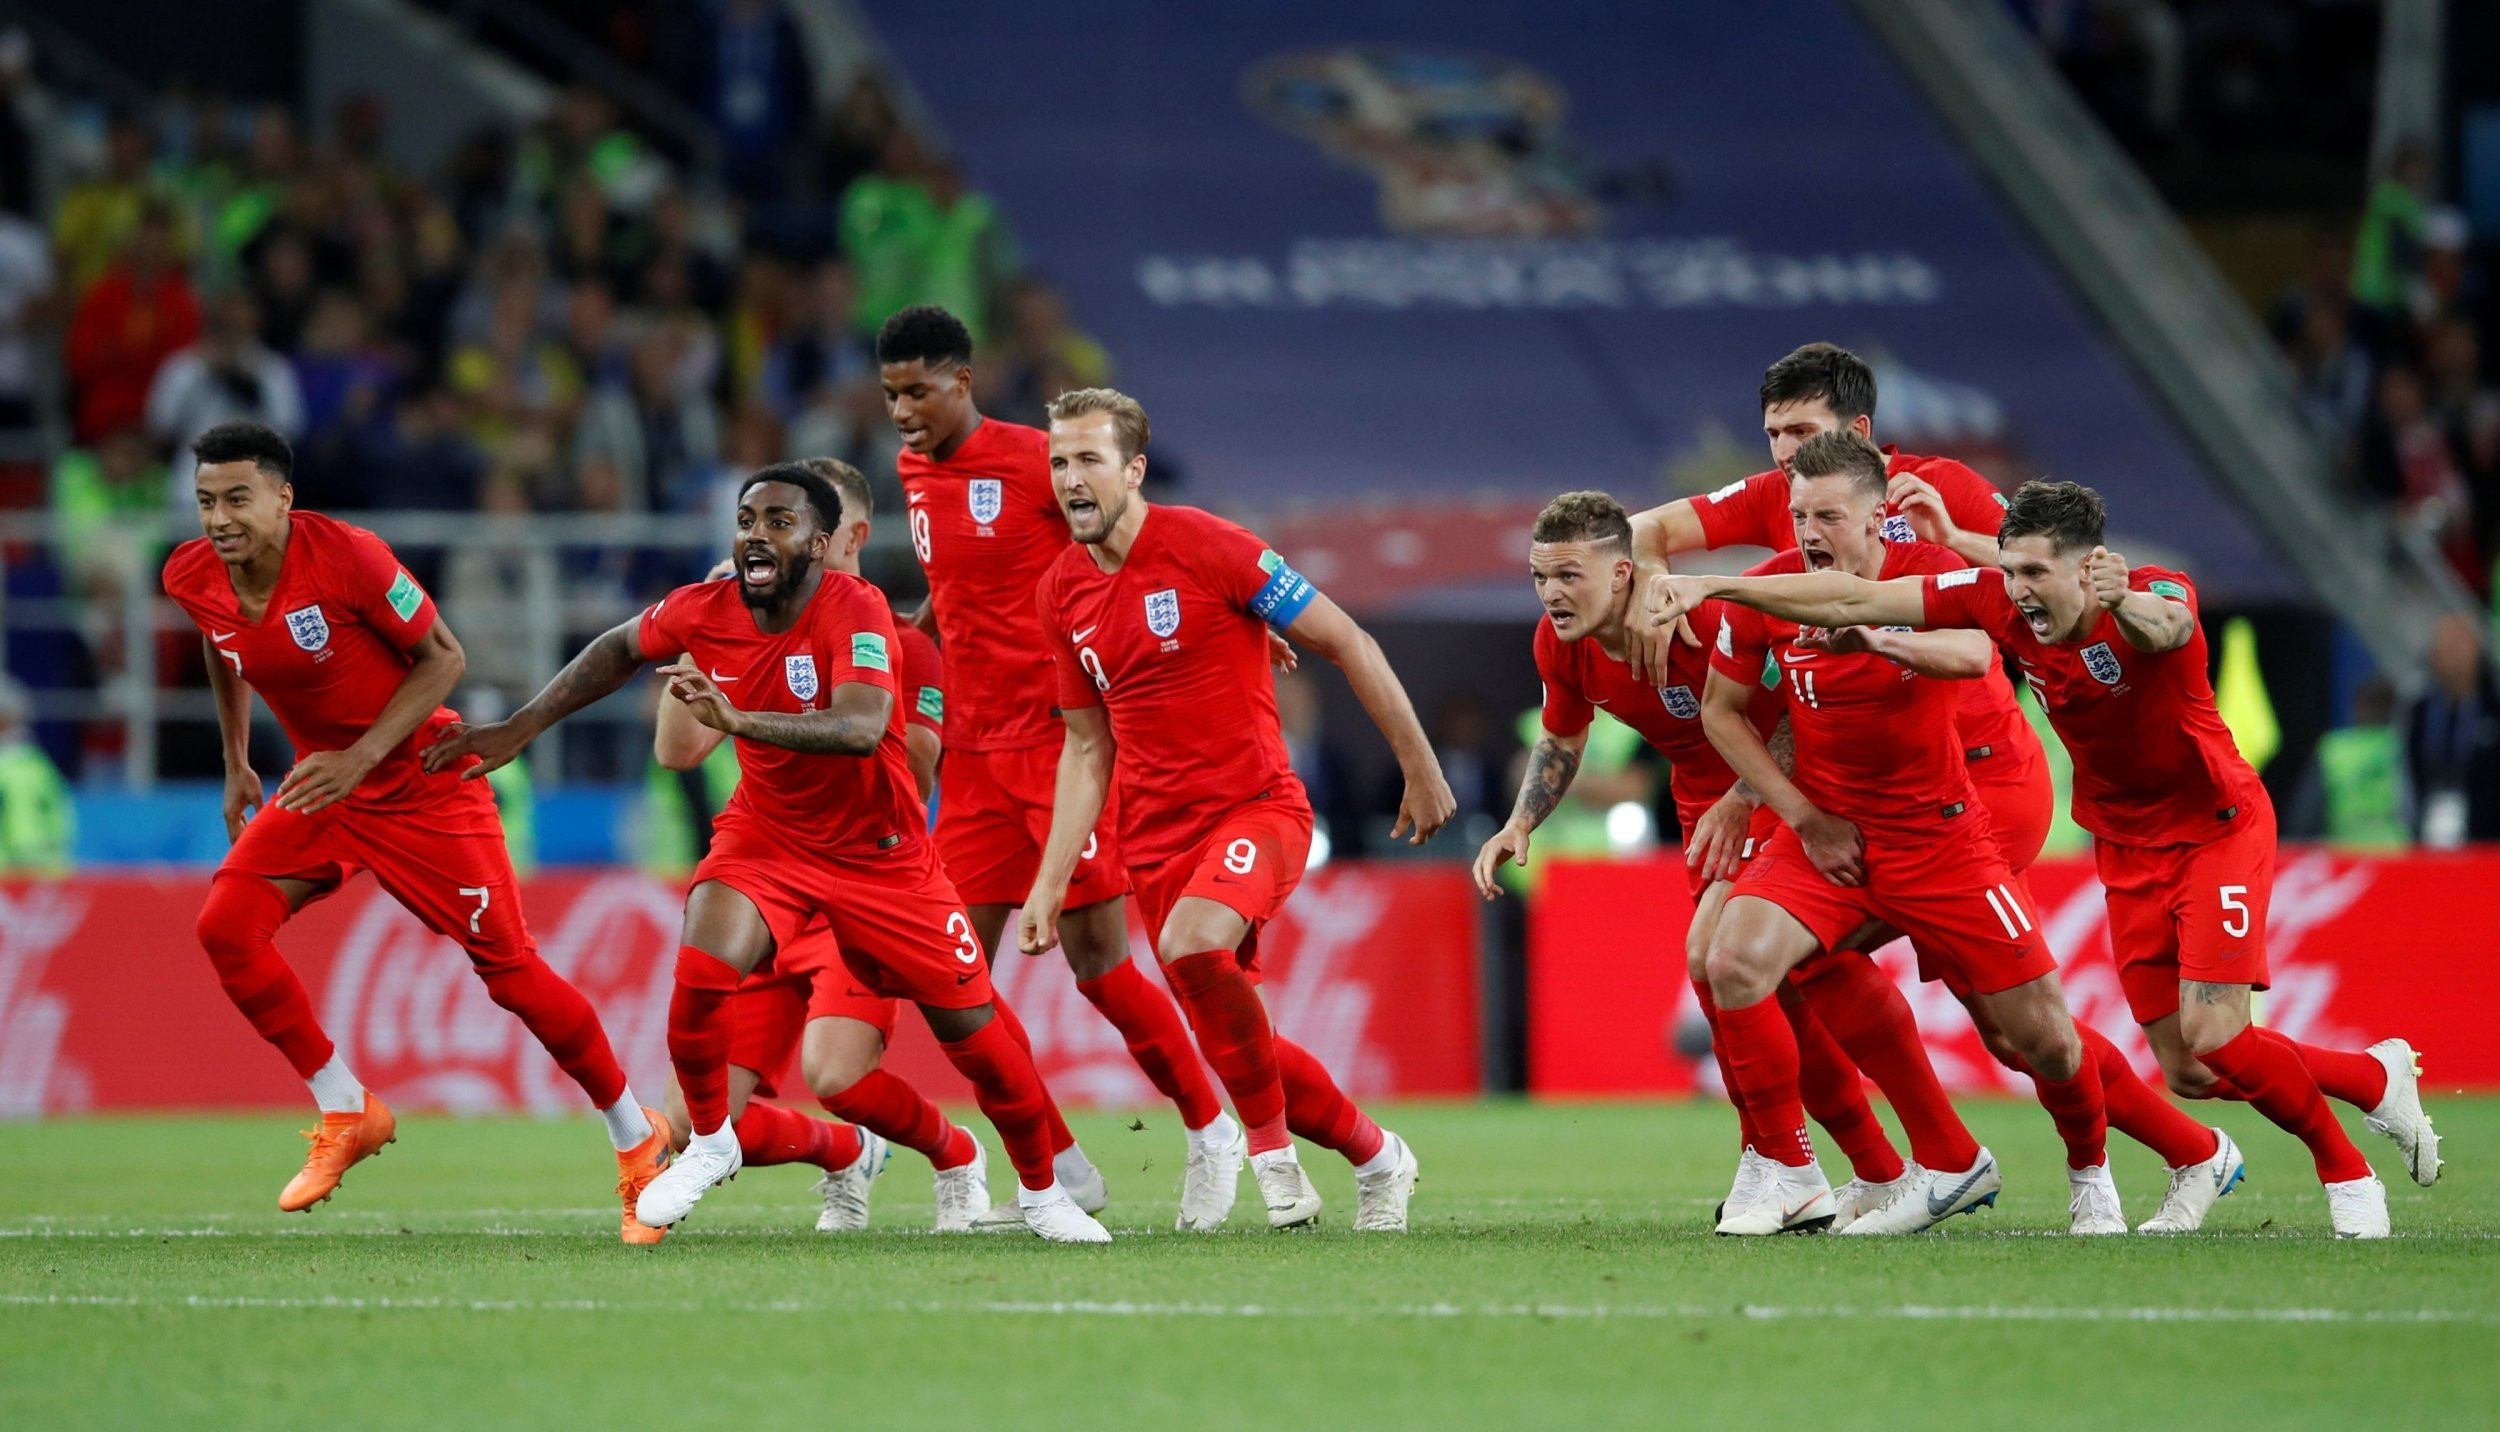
(1551, 764)
(1783, 748)
(852, 723)
(602, 667)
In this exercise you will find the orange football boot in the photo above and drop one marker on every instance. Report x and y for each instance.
(638, 1166)
(342, 1142)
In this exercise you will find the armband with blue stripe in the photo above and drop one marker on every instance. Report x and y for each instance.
(1284, 596)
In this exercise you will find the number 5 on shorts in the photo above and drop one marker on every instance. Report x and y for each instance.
(2234, 905)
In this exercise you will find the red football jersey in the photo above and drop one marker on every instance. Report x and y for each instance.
(845, 806)
(332, 646)
(2154, 765)
(1174, 647)
(986, 524)
(1754, 512)
(1877, 744)
(1579, 677)
(921, 677)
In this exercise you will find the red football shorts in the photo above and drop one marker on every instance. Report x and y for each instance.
(1951, 893)
(2021, 802)
(994, 819)
(1765, 823)
(772, 1007)
(1249, 864)
(902, 931)
(2190, 912)
(444, 860)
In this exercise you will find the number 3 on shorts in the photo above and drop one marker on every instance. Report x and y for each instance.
(959, 929)
(2234, 905)
(1240, 856)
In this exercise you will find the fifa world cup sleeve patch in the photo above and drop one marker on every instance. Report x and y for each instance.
(1963, 577)
(1284, 595)
(868, 651)
(933, 703)
(405, 596)
(2164, 587)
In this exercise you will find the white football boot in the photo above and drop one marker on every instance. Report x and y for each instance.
(2358, 1207)
(1752, 1171)
(1211, 1180)
(2399, 1113)
(1054, 1217)
(1084, 1184)
(2093, 1210)
(845, 1189)
(2195, 1187)
(963, 1192)
(1788, 1200)
(1291, 1201)
(709, 1160)
(1931, 1196)
(1380, 1198)
(1855, 1197)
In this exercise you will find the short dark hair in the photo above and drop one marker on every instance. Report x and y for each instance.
(259, 444)
(1842, 453)
(2069, 514)
(822, 495)
(847, 480)
(1584, 517)
(925, 333)
(1826, 371)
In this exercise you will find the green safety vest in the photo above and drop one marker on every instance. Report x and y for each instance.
(511, 784)
(2359, 766)
(668, 827)
(37, 823)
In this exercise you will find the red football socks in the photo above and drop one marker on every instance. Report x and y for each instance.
(1835, 1094)
(769, 1134)
(1061, 1137)
(698, 1036)
(1157, 1039)
(2355, 1079)
(1231, 1024)
(2273, 1077)
(2074, 1104)
(1009, 1090)
(2138, 1110)
(238, 926)
(1762, 1049)
(1727, 1072)
(1866, 1013)
(1316, 1109)
(565, 1023)
(887, 1106)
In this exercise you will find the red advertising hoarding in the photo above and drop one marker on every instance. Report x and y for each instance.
(2362, 947)
(106, 1001)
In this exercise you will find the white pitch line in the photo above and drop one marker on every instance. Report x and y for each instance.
(1646, 1312)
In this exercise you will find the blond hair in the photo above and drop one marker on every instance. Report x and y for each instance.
(1584, 517)
(1128, 419)
(1842, 453)
(857, 500)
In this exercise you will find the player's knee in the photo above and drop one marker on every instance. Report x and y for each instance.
(2003, 1051)
(2193, 1082)
(1696, 957)
(238, 919)
(829, 1073)
(1734, 974)
(2058, 1057)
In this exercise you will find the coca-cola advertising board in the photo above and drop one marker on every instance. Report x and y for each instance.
(107, 1002)
(2361, 947)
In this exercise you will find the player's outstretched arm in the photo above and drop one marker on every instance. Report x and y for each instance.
(852, 723)
(1551, 764)
(1949, 655)
(1427, 805)
(2149, 621)
(327, 776)
(1085, 757)
(1826, 599)
(679, 742)
(234, 730)
(601, 669)
(1831, 843)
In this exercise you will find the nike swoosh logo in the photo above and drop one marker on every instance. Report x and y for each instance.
(221, 637)
(966, 977)
(1596, 701)
(1939, 1207)
(1089, 631)
(722, 680)
(1793, 657)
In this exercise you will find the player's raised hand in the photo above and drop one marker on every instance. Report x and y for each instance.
(1280, 654)
(1509, 845)
(1426, 807)
(1670, 600)
(243, 796)
(488, 748)
(1835, 847)
(321, 779)
(1915, 498)
(1716, 844)
(703, 699)
(1840, 641)
(1037, 924)
(2105, 577)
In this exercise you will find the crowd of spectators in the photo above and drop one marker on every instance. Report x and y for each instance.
(560, 318)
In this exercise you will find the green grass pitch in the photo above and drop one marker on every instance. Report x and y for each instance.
(1559, 1275)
